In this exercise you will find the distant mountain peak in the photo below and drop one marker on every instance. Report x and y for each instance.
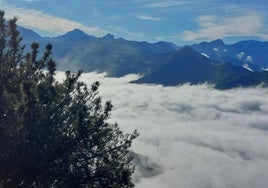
(108, 37)
(28, 33)
(217, 42)
(75, 33)
(187, 51)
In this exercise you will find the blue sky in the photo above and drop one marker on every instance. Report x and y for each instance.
(178, 21)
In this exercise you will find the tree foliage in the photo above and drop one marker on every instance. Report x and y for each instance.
(54, 134)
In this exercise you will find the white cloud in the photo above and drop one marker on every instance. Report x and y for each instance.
(150, 18)
(200, 137)
(212, 27)
(47, 23)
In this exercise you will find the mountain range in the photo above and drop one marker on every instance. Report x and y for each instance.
(224, 65)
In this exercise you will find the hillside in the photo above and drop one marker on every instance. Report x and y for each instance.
(188, 66)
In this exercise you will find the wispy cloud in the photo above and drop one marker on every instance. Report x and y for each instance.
(164, 4)
(30, 0)
(47, 23)
(177, 3)
(149, 18)
(174, 37)
(123, 32)
(247, 24)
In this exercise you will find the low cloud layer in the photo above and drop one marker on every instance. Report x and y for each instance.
(199, 136)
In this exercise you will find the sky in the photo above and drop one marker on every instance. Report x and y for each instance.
(178, 21)
(198, 136)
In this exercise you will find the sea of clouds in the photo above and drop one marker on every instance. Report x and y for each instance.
(198, 136)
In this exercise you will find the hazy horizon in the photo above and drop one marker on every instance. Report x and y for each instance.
(115, 37)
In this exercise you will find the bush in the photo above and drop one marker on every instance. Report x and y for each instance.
(54, 134)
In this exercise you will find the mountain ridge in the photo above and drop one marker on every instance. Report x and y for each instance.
(215, 62)
(187, 62)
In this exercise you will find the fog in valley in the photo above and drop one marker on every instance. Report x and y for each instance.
(193, 136)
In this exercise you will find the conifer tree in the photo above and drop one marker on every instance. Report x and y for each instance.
(54, 134)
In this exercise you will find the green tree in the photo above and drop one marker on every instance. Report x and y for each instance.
(54, 134)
